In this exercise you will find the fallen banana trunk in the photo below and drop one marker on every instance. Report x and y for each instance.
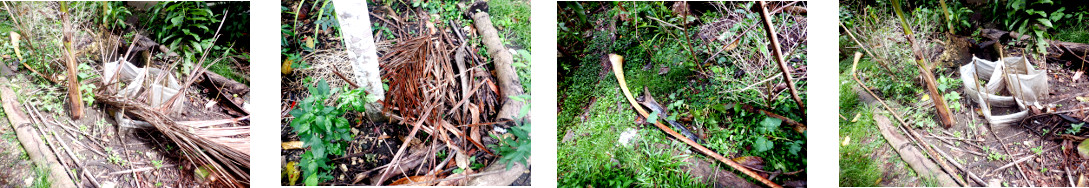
(617, 64)
(32, 144)
(508, 86)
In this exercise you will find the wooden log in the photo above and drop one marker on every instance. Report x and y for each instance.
(508, 79)
(509, 85)
(903, 124)
(32, 144)
(227, 84)
(913, 156)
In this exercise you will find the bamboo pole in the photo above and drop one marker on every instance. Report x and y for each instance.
(779, 57)
(944, 114)
(617, 62)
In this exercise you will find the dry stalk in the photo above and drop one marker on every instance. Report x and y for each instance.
(779, 57)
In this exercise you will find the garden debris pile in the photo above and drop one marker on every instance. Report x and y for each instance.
(435, 86)
(441, 100)
(151, 99)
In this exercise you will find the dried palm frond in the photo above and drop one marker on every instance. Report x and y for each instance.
(225, 161)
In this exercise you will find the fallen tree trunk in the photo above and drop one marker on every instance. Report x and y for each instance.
(509, 85)
(903, 124)
(32, 144)
(912, 155)
(223, 92)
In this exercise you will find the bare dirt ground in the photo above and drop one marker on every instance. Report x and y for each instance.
(1043, 145)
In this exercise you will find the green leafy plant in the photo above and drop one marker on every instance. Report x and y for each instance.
(113, 15)
(327, 18)
(1075, 128)
(1038, 150)
(321, 128)
(515, 148)
(114, 157)
(87, 93)
(992, 154)
(761, 143)
(185, 26)
(355, 99)
(1036, 16)
(947, 85)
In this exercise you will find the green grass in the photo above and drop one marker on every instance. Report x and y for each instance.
(512, 17)
(1076, 33)
(226, 69)
(589, 160)
(41, 177)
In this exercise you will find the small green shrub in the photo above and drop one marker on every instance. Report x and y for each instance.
(1036, 16)
(185, 26)
(322, 129)
(113, 15)
(1075, 128)
(355, 99)
(515, 148)
(86, 90)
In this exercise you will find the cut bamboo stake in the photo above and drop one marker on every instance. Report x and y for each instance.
(971, 175)
(944, 114)
(34, 114)
(903, 124)
(617, 64)
(779, 57)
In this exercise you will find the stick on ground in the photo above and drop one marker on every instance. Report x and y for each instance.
(617, 62)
